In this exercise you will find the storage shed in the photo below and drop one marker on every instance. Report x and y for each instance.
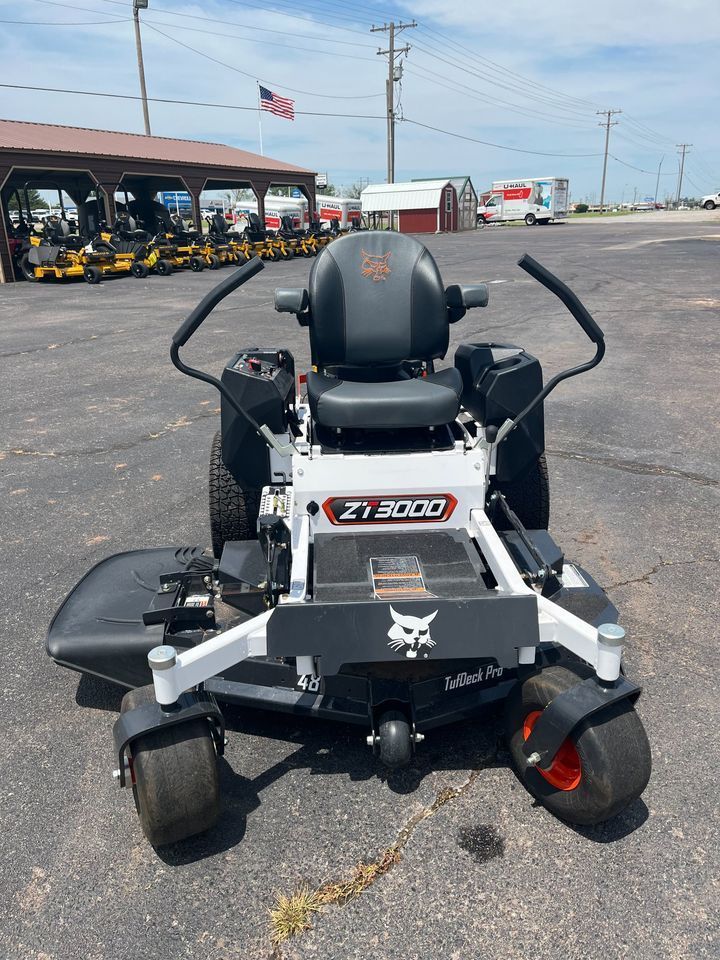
(423, 206)
(467, 202)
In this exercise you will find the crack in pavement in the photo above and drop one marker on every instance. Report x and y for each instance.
(291, 915)
(645, 577)
(632, 466)
(57, 346)
(115, 447)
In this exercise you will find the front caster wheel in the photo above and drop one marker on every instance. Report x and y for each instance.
(602, 766)
(175, 777)
(394, 741)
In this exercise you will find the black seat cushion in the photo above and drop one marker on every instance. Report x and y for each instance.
(396, 404)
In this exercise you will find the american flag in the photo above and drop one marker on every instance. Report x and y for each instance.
(280, 106)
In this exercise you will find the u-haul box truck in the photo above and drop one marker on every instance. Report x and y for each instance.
(275, 209)
(536, 200)
(343, 209)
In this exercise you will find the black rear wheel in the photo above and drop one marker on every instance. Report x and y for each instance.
(139, 269)
(92, 274)
(175, 777)
(164, 267)
(599, 770)
(528, 496)
(27, 269)
(233, 511)
(197, 264)
(214, 261)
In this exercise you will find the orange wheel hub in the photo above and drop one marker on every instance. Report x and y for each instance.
(566, 770)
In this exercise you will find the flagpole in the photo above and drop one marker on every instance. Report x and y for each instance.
(260, 119)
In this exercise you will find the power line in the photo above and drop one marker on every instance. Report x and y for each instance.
(244, 73)
(499, 146)
(66, 23)
(187, 103)
(488, 78)
(639, 169)
(473, 93)
(243, 26)
(485, 60)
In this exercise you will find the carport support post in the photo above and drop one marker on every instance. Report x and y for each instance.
(197, 215)
(7, 274)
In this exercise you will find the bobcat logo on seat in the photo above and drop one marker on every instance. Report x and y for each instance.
(375, 267)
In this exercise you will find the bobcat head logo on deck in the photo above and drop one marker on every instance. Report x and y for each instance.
(408, 634)
(375, 267)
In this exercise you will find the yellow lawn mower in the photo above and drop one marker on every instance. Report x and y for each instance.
(60, 254)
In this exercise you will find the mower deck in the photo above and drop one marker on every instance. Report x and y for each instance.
(99, 630)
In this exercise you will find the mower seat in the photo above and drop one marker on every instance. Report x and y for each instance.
(429, 401)
(378, 308)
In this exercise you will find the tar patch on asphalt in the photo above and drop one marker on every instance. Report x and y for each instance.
(482, 842)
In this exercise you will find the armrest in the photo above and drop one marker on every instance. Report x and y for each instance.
(291, 300)
(463, 297)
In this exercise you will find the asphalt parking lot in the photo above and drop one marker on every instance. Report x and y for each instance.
(104, 448)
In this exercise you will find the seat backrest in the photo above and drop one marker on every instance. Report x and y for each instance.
(255, 222)
(376, 299)
(219, 224)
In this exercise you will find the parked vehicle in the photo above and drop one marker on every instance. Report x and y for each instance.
(534, 201)
(343, 209)
(711, 201)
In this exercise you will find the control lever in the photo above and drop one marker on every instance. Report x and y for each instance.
(190, 325)
(583, 317)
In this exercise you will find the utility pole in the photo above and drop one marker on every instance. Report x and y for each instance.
(657, 182)
(683, 147)
(139, 5)
(392, 54)
(609, 122)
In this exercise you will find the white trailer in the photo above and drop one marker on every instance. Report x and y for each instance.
(275, 209)
(343, 209)
(534, 200)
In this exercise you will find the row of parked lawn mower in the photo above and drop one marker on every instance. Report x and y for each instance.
(125, 248)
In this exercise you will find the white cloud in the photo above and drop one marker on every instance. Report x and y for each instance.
(654, 60)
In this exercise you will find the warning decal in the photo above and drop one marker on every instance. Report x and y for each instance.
(395, 578)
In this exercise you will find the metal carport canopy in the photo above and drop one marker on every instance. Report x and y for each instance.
(414, 195)
(104, 158)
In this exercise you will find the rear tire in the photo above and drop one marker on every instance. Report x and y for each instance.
(528, 496)
(197, 264)
(530, 219)
(92, 275)
(599, 770)
(139, 269)
(233, 511)
(175, 777)
(27, 269)
(164, 267)
(214, 261)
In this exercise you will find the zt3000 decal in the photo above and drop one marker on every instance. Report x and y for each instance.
(395, 508)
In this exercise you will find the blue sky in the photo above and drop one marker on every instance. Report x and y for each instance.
(516, 74)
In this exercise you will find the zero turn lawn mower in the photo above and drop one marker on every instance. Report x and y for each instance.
(301, 242)
(264, 243)
(58, 253)
(381, 557)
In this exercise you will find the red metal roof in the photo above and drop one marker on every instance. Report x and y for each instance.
(21, 135)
